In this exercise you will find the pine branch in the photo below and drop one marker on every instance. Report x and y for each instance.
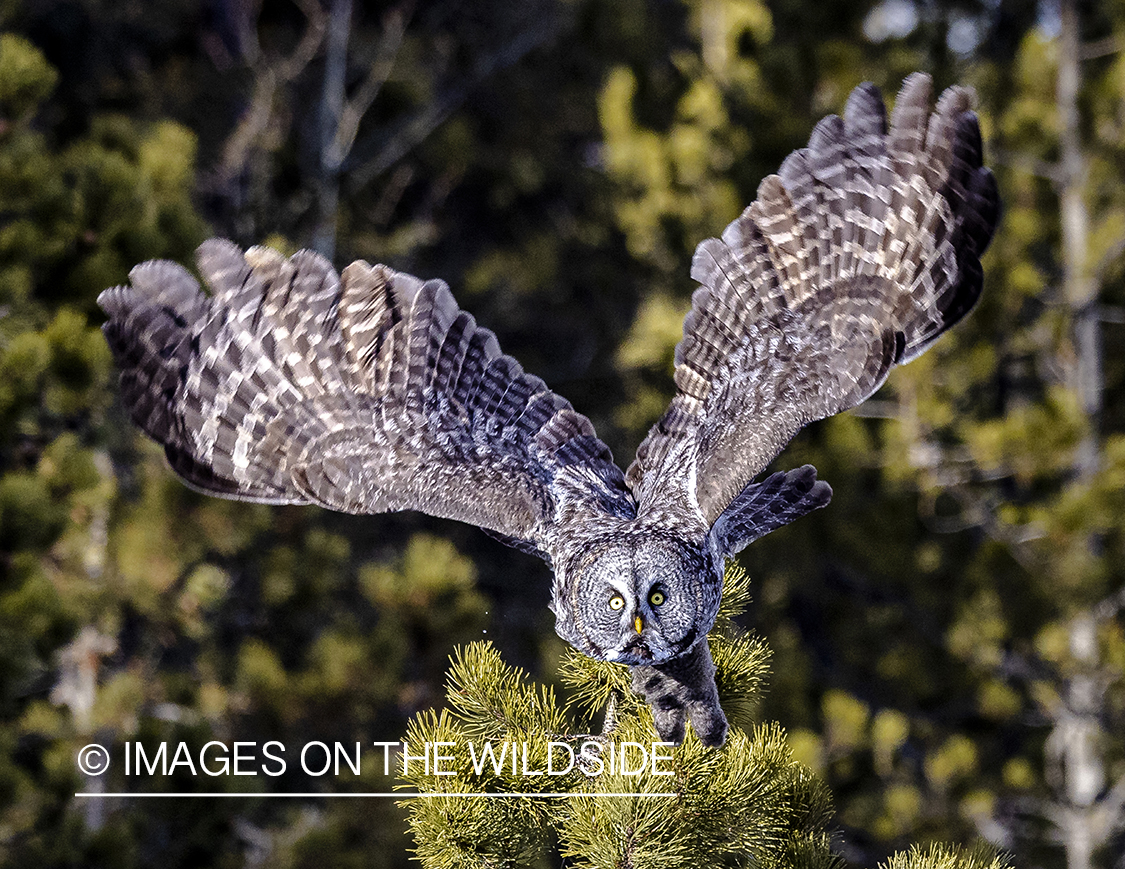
(746, 804)
(946, 857)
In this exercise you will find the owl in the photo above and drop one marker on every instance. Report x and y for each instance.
(371, 391)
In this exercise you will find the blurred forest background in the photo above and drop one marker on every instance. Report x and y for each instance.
(948, 636)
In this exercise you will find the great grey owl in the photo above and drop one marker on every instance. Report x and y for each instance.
(372, 391)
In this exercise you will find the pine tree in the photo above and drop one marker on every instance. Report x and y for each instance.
(74, 212)
(748, 803)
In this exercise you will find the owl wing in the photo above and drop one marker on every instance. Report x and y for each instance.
(855, 257)
(366, 392)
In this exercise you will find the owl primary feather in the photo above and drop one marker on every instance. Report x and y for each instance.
(372, 391)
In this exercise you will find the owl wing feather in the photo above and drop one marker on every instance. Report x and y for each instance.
(366, 392)
(855, 257)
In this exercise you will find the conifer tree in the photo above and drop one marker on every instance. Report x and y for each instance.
(749, 803)
(75, 210)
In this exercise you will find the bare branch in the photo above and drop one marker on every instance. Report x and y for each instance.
(1109, 607)
(1108, 258)
(386, 53)
(270, 75)
(1101, 47)
(1026, 163)
(253, 123)
(391, 194)
(292, 66)
(1111, 807)
(419, 128)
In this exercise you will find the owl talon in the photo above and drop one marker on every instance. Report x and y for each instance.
(684, 689)
(710, 724)
(670, 724)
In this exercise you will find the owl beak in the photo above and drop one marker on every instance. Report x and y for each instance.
(638, 624)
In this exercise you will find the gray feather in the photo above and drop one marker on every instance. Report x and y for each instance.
(367, 394)
(855, 257)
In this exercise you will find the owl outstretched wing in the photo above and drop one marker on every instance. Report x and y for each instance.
(365, 392)
(855, 257)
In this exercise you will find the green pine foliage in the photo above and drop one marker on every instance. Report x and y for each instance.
(747, 804)
(945, 857)
(75, 211)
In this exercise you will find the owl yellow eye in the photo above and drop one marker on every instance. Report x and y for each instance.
(656, 598)
(616, 602)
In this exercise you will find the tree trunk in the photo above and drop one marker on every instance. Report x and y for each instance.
(1080, 288)
(1076, 738)
(330, 158)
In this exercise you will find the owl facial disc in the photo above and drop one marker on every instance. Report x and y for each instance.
(638, 599)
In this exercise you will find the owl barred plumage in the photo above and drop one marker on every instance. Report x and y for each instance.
(372, 391)
(364, 394)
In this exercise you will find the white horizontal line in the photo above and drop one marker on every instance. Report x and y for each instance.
(395, 795)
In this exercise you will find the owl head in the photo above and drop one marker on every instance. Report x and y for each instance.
(641, 598)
